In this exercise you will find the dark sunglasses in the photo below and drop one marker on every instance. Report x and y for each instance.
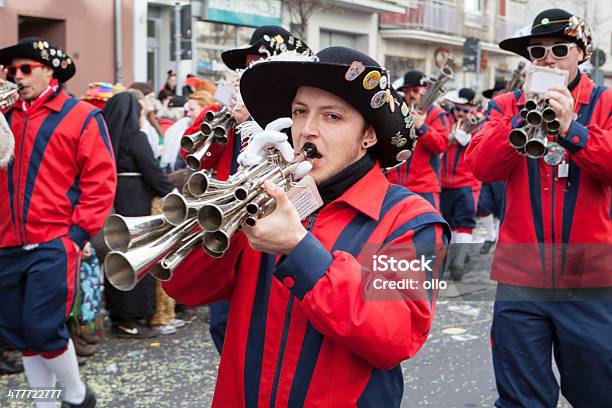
(557, 50)
(464, 110)
(26, 69)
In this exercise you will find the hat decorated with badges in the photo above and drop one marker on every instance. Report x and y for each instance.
(40, 50)
(500, 85)
(268, 89)
(556, 23)
(413, 79)
(464, 96)
(266, 41)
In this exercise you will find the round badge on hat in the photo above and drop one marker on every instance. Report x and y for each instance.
(55, 62)
(370, 81)
(378, 99)
(354, 70)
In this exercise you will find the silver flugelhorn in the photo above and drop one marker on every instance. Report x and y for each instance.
(540, 121)
(214, 130)
(9, 93)
(435, 87)
(207, 219)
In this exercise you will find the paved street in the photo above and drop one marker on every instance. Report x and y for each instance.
(452, 370)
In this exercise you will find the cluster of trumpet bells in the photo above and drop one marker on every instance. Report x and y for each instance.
(540, 120)
(205, 215)
(214, 130)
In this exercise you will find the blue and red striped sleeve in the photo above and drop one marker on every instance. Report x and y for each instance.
(97, 179)
(489, 155)
(331, 289)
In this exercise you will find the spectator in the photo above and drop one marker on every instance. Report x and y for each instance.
(151, 126)
(196, 102)
(170, 85)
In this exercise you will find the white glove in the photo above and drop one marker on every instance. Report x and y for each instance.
(255, 152)
(462, 137)
(7, 142)
(302, 170)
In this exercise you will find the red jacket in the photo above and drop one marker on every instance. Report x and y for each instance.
(300, 332)
(62, 179)
(455, 171)
(421, 173)
(569, 216)
(223, 158)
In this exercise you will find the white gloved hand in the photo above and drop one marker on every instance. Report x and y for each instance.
(7, 142)
(462, 137)
(255, 152)
(302, 170)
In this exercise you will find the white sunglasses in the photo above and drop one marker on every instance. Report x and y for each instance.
(558, 51)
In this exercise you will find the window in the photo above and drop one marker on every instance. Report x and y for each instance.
(398, 66)
(334, 38)
(211, 40)
(474, 6)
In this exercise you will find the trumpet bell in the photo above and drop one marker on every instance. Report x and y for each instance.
(536, 148)
(518, 138)
(122, 233)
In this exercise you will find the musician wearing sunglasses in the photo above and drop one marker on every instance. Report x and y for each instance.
(460, 188)
(421, 174)
(54, 195)
(299, 315)
(552, 261)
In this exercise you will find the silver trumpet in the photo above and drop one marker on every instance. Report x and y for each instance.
(9, 93)
(435, 88)
(540, 121)
(125, 269)
(122, 233)
(164, 269)
(214, 130)
(536, 146)
(157, 244)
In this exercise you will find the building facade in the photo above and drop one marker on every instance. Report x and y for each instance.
(84, 28)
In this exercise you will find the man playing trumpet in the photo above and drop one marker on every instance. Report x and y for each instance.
(554, 242)
(298, 313)
(421, 173)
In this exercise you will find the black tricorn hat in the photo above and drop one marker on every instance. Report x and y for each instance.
(265, 41)
(412, 78)
(268, 89)
(556, 23)
(500, 84)
(40, 50)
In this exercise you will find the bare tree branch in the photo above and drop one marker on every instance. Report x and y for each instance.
(301, 11)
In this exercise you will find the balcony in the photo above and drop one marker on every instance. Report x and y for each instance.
(505, 27)
(439, 16)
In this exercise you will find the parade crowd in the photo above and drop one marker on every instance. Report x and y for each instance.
(396, 165)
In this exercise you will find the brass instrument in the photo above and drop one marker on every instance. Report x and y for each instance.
(517, 79)
(435, 89)
(214, 130)
(472, 122)
(540, 121)
(208, 216)
(9, 93)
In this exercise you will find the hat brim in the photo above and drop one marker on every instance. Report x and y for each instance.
(453, 96)
(25, 50)
(518, 45)
(489, 92)
(236, 58)
(268, 90)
